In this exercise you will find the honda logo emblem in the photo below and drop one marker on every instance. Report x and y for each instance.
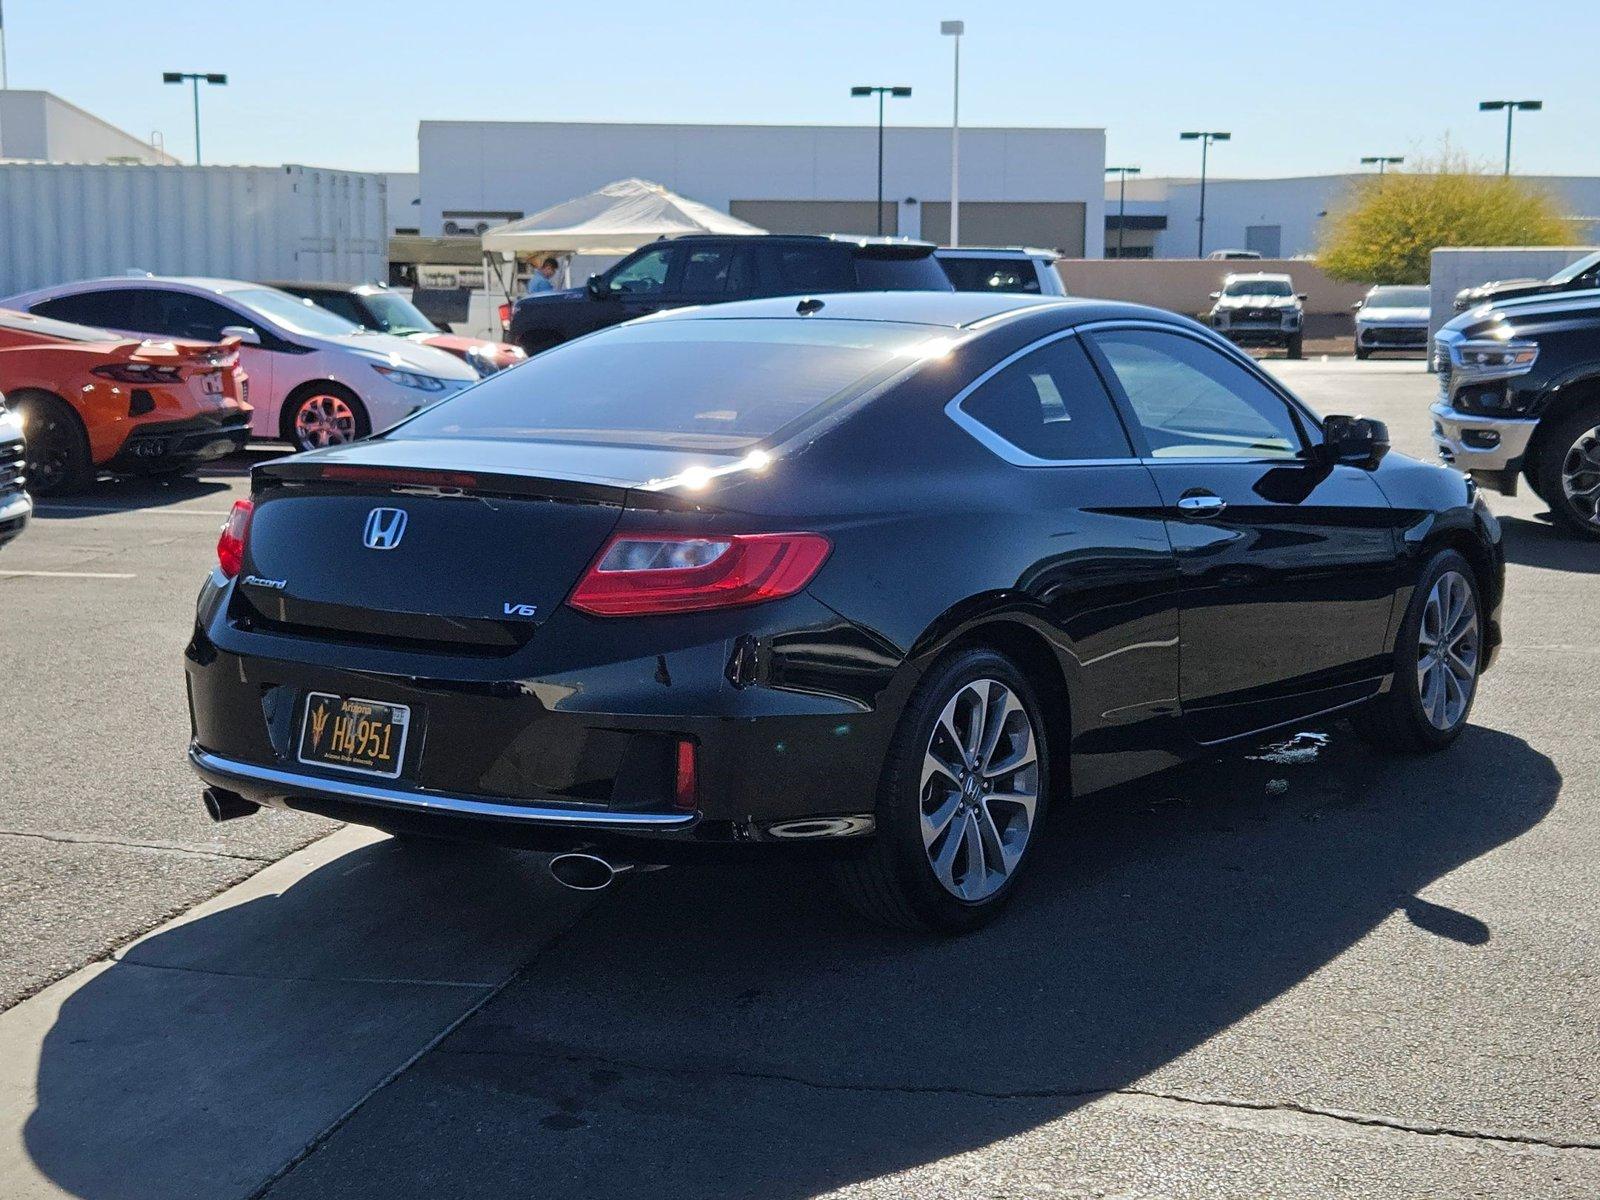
(385, 528)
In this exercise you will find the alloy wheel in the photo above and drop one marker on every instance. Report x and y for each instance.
(324, 420)
(980, 789)
(1447, 651)
(46, 454)
(1580, 476)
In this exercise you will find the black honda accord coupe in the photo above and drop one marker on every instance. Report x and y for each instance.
(874, 578)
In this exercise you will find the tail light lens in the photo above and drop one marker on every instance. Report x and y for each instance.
(230, 546)
(135, 372)
(641, 574)
(686, 785)
(505, 316)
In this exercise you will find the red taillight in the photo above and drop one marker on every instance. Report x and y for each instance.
(686, 787)
(230, 546)
(638, 574)
(505, 316)
(137, 372)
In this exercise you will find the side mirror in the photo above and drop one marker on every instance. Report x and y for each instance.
(243, 333)
(1300, 296)
(1354, 441)
(597, 287)
(1357, 305)
(1216, 295)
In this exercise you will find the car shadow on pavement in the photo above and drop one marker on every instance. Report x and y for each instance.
(733, 1032)
(108, 495)
(1544, 544)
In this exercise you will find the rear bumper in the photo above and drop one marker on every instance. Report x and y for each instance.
(567, 744)
(163, 445)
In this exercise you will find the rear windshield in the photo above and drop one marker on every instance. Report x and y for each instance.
(992, 274)
(922, 274)
(699, 384)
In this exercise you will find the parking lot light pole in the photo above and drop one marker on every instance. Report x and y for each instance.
(1511, 107)
(880, 92)
(1382, 160)
(1122, 200)
(194, 77)
(1205, 137)
(954, 29)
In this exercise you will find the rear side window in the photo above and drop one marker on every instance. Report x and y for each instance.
(112, 308)
(716, 385)
(875, 274)
(798, 269)
(705, 270)
(992, 274)
(1050, 404)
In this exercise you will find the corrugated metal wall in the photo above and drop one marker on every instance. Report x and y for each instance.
(60, 222)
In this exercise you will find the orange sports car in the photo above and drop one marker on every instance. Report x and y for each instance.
(94, 401)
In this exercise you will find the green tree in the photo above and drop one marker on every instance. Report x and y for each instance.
(1385, 227)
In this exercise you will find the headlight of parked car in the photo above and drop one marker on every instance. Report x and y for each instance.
(410, 379)
(1493, 359)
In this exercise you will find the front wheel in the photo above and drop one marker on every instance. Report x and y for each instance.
(1296, 346)
(1566, 470)
(962, 796)
(1437, 659)
(325, 415)
(1362, 353)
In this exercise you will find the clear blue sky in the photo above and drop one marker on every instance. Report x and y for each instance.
(1305, 86)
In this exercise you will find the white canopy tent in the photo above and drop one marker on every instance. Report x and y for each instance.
(616, 219)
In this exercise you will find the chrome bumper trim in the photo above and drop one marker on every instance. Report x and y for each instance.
(294, 783)
(18, 506)
(1449, 425)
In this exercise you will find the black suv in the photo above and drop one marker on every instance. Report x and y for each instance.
(1519, 398)
(676, 272)
(1574, 277)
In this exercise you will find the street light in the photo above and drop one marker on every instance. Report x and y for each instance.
(194, 77)
(1511, 106)
(955, 29)
(1122, 200)
(1383, 160)
(1205, 138)
(880, 92)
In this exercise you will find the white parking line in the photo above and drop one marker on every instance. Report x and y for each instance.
(65, 575)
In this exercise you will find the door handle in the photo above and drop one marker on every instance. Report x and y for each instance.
(1201, 506)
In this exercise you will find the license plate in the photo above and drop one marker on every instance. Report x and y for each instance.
(354, 735)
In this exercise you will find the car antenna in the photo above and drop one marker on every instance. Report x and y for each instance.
(808, 306)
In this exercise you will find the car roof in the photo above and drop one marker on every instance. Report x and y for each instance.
(1261, 275)
(198, 282)
(314, 285)
(950, 310)
(997, 252)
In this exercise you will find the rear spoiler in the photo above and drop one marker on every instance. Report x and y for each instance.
(295, 470)
(205, 354)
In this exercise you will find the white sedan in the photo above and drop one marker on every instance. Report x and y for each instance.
(315, 379)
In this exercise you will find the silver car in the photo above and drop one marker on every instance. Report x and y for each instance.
(1392, 317)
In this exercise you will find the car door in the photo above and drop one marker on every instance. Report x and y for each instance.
(648, 282)
(1287, 564)
(1088, 529)
(181, 314)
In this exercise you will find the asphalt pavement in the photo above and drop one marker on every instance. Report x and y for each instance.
(1306, 970)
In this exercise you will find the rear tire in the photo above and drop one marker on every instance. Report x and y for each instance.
(1566, 469)
(1437, 660)
(324, 414)
(56, 454)
(963, 795)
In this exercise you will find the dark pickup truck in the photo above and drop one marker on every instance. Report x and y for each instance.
(1519, 399)
(1574, 277)
(682, 271)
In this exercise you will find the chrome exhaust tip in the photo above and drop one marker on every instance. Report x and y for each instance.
(584, 872)
(226, 806)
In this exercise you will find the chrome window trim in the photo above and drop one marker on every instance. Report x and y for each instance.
(998, 445)
(299, 783)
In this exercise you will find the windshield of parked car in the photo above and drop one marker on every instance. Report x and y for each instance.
(293, 313)
(699, 384)
(1397, 297)
(1258, 287)
(395, 314)
(1582, 266)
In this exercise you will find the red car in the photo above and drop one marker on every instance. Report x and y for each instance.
(373, 306)
(94, 401)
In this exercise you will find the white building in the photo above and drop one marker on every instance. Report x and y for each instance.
(1018, 186)
(1278, 218)
(42, 127)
